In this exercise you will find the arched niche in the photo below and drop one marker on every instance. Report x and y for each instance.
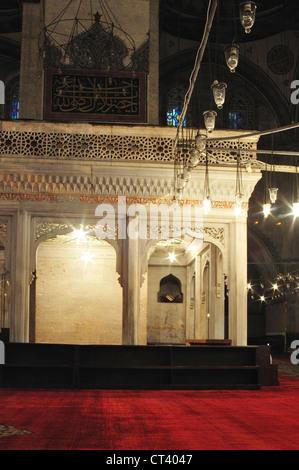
(170, 290)
(78, 298)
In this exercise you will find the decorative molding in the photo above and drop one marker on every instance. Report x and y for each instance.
(45, 228)
(216, 233)
(96, 199)
(89, 147)
(4, 228)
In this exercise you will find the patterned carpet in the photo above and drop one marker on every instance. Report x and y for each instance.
(7, 431)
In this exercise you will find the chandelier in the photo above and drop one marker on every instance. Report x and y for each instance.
(87, 35)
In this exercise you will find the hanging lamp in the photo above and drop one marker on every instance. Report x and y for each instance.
(232, 53)
(219, 90)
(247, 15)
(210, 120)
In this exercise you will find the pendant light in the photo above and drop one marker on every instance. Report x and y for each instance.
(247, 15)
(219, 93)
(210, 120)
(266, 205)
(232, 53)
(200, 142)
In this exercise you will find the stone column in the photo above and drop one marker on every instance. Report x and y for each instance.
(131, 289)
(190, 301)
(216, 298)
(238, 282)
(197, 298)
(19, 322)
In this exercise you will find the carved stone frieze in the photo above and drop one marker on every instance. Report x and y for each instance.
(44, 228)
(4, 228)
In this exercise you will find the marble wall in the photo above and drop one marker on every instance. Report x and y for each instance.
(77, 302)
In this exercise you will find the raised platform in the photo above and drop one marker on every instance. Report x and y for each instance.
(211, 342)
(136, 367)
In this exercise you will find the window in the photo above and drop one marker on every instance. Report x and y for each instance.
(14, 103)
(241, 113)
(175, 104)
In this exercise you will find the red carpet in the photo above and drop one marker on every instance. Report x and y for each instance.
(266, 419)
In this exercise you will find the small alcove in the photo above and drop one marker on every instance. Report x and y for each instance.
(170, 290)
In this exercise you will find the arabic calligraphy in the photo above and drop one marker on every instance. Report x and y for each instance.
(96, 94)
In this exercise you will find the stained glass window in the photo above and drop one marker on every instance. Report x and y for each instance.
(14, 103)
(175, 104)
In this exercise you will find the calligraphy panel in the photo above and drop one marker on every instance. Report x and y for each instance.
(82, 95)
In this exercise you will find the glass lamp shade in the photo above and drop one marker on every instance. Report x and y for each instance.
(187, 174)
(247, 15)
(238, 208)
(296, 209)
(232, 53)
(273, 195)
(219, 93)
(206, 205)
(194, 157)
(267, 209)
(181, 183)
(210, 119)
(200, 142)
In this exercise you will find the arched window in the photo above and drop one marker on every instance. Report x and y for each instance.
(240, 113)
(175, 104)
(170, 290)
(12, 101)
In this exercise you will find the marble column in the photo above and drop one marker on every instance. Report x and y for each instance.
(238, 282)
(19, 321)
(131, 289)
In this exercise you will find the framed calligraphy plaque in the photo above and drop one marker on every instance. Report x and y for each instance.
(87, 95)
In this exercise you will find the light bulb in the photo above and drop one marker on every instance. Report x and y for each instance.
(296, 209)
(172, 257)
(79, 235)
(206, 205)
(87, 256)
(238, 207)
(267, 209)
